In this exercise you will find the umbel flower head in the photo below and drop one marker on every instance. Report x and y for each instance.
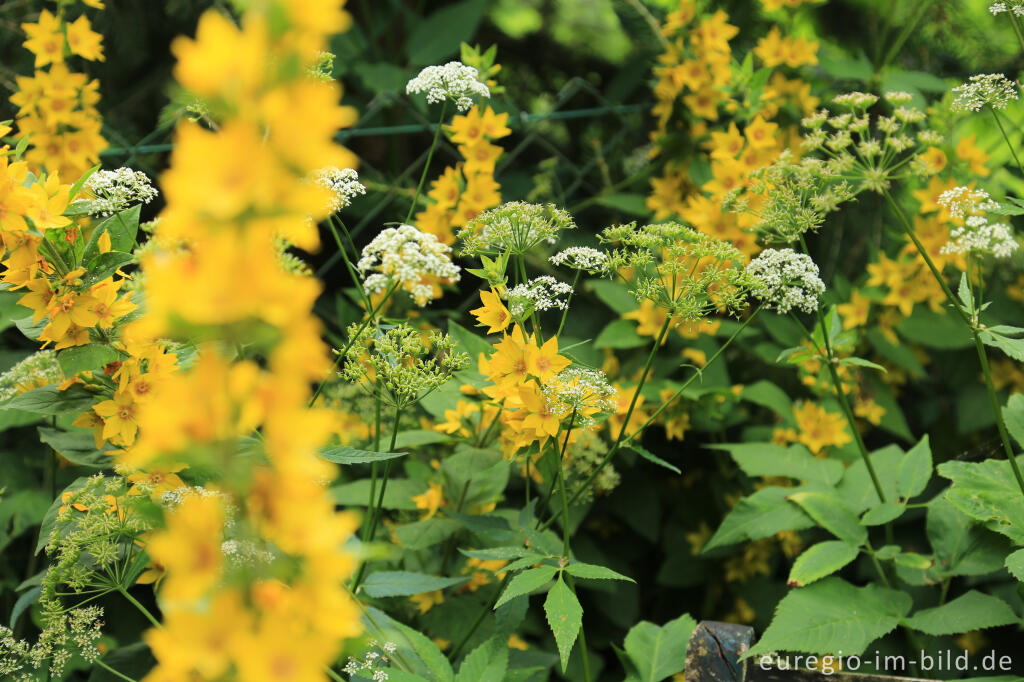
(405, 257)
(686, 272)
(976, 236)
(583, 258)
(398, 364)
(537, 295)
(342, 183)
(984, 90)
(514, 227)
(579, 390)
(113, 191)
(454, 81)
(787, 280)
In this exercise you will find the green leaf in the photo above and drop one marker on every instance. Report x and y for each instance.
(757, 516)
(123, 227)
(832, 615)
(653, 458)
(987, 492)
(19, 511)
(437, 37)
(526, 582)
(499, 553)
(565, 617)
(857, 490)
(50, 517)
(435, 661)
(796, 461)
(406, 583)
(619, 334)
(915, 470)
(767, 394)
(960, 546)
(342, 454)
(425, 533)
(821, 560)
(1013, 415)
(417, 437)
(10, 311)
(105, 265)
(832, 515)
(48, 400)
(883, 513)
(581, 570)
(971, 611)
(1012, 347)
(632, 203)
(861, 362)
(944, 331)
(658, 652)
(90, 357)
(24, 601)
(914, 560)
(78, 447)
(1015, 564)
(486, 663)
(613, 294)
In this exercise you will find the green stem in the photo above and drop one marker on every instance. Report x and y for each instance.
(333, 675)
(521, 260)
(345, 259)
(562, 491)
(450, 546)
(135, 602)
(378, 510)
(480, 618)
(908, 29)
(565, 312)
(1013, 152)
(1015, 22)
(426, 166)
(120, 676)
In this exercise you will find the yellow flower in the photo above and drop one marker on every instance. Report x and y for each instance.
(934, 159)
(431, 500)
(481, 157)
(45, 39)
(760, 133)
(818, 428)
(83, 41)
(119, 419)
(968, 151)
(855, 313)
(427, 600)
(493, 315)
(544, 362)
(190, 548)
(649, 318)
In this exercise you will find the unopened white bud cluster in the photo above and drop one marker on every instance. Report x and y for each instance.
(37, 370)
(113, 191)
(986, 89)
(343, 184)
(583, 258)
(454, 81)
(538, 294)
(407, 257)
(787, 280)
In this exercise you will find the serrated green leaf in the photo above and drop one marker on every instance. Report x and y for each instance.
(565, 617)
(914, 560)
(987, 492)
(883, 513)
(1013, 415)
(581, 570)
(526, 582)
(971, 611)
(832, 615)
(832, 515)
(486, 663)
(342, 454)
(757, 516)
(1012, 347)
(406, 583)
(915, 470)
(861, 362)
(960, 546)
(821, 560)
(1015, 564)
(658, 652)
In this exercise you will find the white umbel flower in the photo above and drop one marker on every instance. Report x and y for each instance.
(583, 258)
(977, 236)
(537, 295)
(415, 260)
(787, 280)
(985, 89)
(113, 191)
(454, 81)
(343, 184)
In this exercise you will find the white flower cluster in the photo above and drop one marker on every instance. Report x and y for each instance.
(787, 280)
(580, 390)
(515, 226)
(1000, 7)
(961, 201)
(38, 369)
(343, 183)
(977, 236)
(372, 663)
(113, 191)
(584, 258)
(454, 81)
(538, 294)
(408, 257)
(65, 634)
(985, 89)
(173, 498)
(245, 553)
